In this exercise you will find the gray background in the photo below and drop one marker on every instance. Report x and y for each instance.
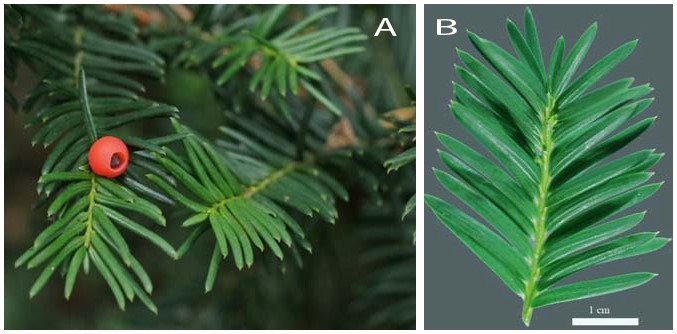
(460, 291)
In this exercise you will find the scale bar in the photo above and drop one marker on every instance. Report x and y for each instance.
(605, 321)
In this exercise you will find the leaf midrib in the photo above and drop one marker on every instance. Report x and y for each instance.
(256, 188)
(548, 122)
(90, 212)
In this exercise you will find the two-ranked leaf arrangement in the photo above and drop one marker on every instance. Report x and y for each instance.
(242, 216)
(283, 61)
(245, 192)
(549, 203)
(75, 107)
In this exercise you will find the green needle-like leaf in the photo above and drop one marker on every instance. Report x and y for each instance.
(592, 288)
(86, 112)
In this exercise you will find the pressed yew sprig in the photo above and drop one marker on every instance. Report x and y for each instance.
(549, 198)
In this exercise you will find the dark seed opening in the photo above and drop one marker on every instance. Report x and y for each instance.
(115, 161)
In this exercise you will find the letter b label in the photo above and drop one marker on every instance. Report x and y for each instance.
(446, 27)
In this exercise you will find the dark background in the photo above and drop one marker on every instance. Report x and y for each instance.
(461, 292)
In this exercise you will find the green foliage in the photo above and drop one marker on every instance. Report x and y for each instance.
(73, 109)
(548, 200)
(12, 19)
(388, 295)
(254, 187)
(277, 59)
(403, 159)
(284, 59)
(244, 216)
(407, 156)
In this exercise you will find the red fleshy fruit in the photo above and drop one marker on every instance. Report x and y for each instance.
(108, 157)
